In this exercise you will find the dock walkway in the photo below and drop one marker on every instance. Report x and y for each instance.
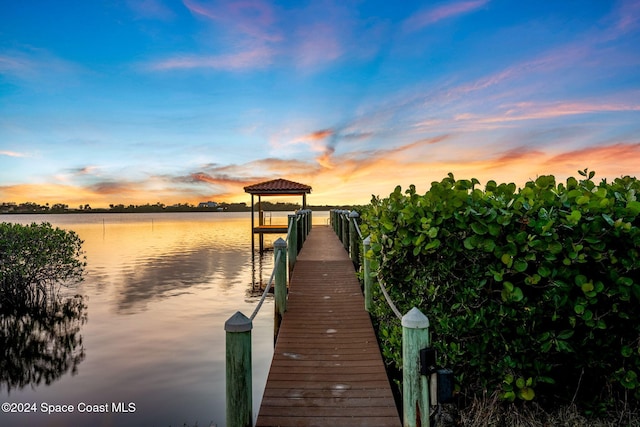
(327, 369)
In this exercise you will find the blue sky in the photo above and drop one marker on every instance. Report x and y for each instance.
(185, 101)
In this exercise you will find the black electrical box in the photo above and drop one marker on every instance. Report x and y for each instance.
(445, 385)
(427, 360)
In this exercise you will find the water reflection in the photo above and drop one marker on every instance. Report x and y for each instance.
(164, 256)
(41, 343)
(175, 273)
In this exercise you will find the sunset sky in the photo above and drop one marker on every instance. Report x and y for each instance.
(145, 101)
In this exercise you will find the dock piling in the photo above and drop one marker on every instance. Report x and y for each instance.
(238, 371)
(292, 244)
(366, 262)
(280, 291)
(415, 385)
(354, 250)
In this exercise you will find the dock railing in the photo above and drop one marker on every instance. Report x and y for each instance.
(420, 376)
(239, 377)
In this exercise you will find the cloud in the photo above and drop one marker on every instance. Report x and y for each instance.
(611, 156)
(431, 16)
(39, 68)
(12, 153)
(538, 111)
(257, 58)
(624, 19)
(254, 34)
(84, 170)
(251, 18)
(318, 43)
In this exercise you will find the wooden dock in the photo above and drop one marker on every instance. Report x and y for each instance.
(327, 369)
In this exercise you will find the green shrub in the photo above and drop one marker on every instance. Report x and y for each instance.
(532, 292)
(35, 261)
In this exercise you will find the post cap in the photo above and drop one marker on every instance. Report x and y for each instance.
(280, 243)
(414, 319)
(238, 323)
(354, 214)
(367, 240)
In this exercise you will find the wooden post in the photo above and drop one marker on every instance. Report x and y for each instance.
(303, 217)
(415, 386)
(300, 231)
(292, 246)
(366, 262)
(253, 235)
(260, 223)
(354, 251)
(334, 223)
(238, 371)
(280, 291)
(345, 229)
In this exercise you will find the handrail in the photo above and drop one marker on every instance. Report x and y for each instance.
(355, 223)
(273, 272)
(266, 290)
(387, 297)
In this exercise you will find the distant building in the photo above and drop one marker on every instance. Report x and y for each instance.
(207, 205)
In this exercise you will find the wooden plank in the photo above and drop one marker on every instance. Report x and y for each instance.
(329, 421)
(327, 369)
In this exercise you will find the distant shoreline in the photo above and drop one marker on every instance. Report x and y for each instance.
(145, 209)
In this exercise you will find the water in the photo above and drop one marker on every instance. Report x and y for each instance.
(158, 290)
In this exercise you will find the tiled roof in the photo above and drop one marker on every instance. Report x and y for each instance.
(278, 186)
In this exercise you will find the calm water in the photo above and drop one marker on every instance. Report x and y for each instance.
(158, 289)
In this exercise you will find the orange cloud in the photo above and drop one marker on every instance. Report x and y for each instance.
(321, 134)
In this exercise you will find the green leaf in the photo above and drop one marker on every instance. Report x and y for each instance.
(566, 334)
(507, 259)
(580, 279)
(563, 346)
(468, 243)
(608, 219)
(555, 247)
(520, 265)
(575, 216)
(544, 271)
(517, 295)
(479, 228)
(509, 396)
(630, 380)
(432, 244)
(494, 229)
(587, 287)
(634, 207)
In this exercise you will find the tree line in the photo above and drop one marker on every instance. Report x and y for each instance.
(36, 208)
